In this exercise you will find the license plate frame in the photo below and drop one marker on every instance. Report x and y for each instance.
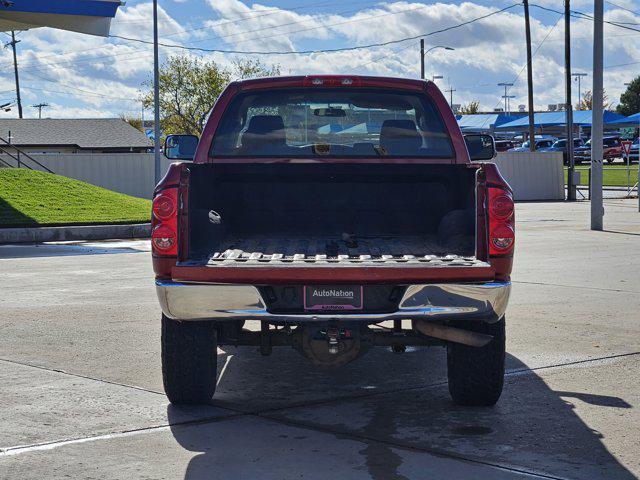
(333, 298)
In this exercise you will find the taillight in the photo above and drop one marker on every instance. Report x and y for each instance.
(164, 236)
(501, 222)
(164, 206)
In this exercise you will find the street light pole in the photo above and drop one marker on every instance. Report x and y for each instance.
(423, 55)
(578, 76)
(156, 96)
(422, 58)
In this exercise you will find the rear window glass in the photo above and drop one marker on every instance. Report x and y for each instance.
(346, 122)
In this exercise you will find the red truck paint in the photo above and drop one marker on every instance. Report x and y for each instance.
(489, 176)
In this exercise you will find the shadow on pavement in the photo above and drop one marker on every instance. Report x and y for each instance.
(63, 249)
(391, 404)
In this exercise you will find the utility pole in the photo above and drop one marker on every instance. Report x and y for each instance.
(578, 76)
(597, 210)
(571, 187)
(13, 43)
(527, 26)
(422, 58)
(40, 106)
(450, 92)
(156, 95)
(506, 96)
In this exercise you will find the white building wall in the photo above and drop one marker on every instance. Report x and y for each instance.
(533, 176)
(130, 173)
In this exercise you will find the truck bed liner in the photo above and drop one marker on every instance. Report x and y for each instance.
(335, 250)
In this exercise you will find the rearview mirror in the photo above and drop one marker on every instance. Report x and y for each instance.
(481, 147)
(180, 147)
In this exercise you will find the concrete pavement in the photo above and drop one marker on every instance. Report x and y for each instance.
(82, 390)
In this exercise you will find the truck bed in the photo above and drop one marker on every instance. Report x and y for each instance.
(334, 249)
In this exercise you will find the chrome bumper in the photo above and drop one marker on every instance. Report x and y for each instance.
(481, 301)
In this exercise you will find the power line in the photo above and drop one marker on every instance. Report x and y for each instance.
(622, 8)
(585, 16)
(330, 50)
(226, 22)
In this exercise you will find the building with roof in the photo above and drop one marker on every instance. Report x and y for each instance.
(90, 135)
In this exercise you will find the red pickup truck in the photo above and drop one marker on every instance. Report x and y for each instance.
(341, 213)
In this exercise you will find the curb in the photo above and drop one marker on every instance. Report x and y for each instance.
(74, 232)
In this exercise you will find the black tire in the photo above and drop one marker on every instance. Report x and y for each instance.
(189, 361)
(476, 375)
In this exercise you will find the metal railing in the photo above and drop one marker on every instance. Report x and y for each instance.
(19, 156)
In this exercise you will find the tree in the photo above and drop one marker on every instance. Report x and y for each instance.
(470, 108)
(135, 122)
(189, 86)
(586, 103)
(630, 99)
(254, 69)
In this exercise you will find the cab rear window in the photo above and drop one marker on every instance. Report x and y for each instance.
(344, 122)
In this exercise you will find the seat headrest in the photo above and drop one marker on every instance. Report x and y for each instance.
(265, 124)
(400, 137)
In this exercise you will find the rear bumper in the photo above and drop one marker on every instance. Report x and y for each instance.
(453, 301)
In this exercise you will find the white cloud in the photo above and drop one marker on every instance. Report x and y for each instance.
(486, 52)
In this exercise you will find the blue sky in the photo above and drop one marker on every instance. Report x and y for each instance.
(84, 76)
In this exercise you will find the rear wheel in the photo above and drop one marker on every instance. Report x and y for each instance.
(189, 361)
(476, 374)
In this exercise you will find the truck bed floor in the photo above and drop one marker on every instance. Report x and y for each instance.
(334, 249)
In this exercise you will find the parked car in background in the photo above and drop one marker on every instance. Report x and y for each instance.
(542, 143)
(505, 145)
(561, 146)
(611, 149)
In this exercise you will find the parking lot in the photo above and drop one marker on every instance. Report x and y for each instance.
(82, 391)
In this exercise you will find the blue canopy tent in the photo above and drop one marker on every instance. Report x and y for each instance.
(630, 121)
(484, 122)
(542, 120)
(85, 16)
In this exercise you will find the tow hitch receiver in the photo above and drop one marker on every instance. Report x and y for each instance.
(332, 345)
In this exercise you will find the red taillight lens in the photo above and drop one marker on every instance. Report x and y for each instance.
(164, 206)
(164, 240)
(164, 237)
(502, 239)
(501, 222)
(501, 207)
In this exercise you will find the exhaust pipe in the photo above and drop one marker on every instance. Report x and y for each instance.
(452, 334)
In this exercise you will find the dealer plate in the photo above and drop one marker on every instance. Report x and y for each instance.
(333, 297)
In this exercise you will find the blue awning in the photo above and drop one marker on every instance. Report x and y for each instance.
(631, 120)
(84, 16)
(556, 119)
(484, 121)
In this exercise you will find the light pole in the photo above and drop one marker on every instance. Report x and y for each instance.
(423, 54)
(506, 97)
(436, 77)
(578, 77)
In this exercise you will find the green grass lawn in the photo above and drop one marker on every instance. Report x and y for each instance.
(613, 175)
(30, 198)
